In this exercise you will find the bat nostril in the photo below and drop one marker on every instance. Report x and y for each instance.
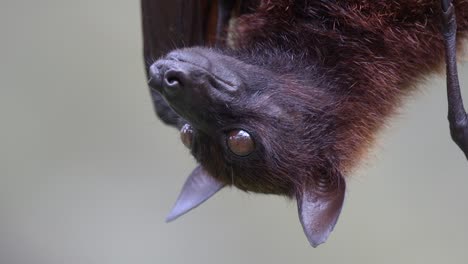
(174, 80)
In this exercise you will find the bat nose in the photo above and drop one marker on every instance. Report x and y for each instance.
(175, 80)
(167, 79)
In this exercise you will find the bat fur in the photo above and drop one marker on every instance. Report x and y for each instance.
(314, 83)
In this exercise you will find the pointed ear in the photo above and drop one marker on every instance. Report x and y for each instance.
(198, 188)
(319, 210)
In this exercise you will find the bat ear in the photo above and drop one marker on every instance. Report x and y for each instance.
(198, 188)
(319, 210)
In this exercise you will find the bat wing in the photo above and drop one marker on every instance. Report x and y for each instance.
(168, 25)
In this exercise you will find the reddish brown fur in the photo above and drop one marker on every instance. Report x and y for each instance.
(377, 50)
(336, 70)
(310, 82)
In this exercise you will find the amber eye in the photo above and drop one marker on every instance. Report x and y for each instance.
(186, 135)
(240, 142)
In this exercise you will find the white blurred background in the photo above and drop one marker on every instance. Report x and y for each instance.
(88, 173)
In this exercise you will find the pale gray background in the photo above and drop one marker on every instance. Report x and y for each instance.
(87, 172)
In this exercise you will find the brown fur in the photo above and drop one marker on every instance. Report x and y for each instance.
(320, 79)
(311, 82)
(376, 50)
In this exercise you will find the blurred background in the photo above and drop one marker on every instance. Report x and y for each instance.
(88, 173)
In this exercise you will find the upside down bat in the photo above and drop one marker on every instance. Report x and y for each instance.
(286, 97)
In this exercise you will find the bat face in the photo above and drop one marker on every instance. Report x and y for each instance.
(244, 124)
(252, 127)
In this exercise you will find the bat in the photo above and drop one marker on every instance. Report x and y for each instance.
(286, 97)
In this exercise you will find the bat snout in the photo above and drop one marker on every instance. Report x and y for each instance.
(154, 77)
(169, 80)
(198, 84)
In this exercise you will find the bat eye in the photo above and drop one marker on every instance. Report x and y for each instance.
(240, 142)
(186, 135)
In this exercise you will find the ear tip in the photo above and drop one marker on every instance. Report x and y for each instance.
(171, 218)
(176, 212)
(317, 237)
(317, 241)
(315, 245)
(180, 208)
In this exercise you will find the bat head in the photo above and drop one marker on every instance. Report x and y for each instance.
(253, 122)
